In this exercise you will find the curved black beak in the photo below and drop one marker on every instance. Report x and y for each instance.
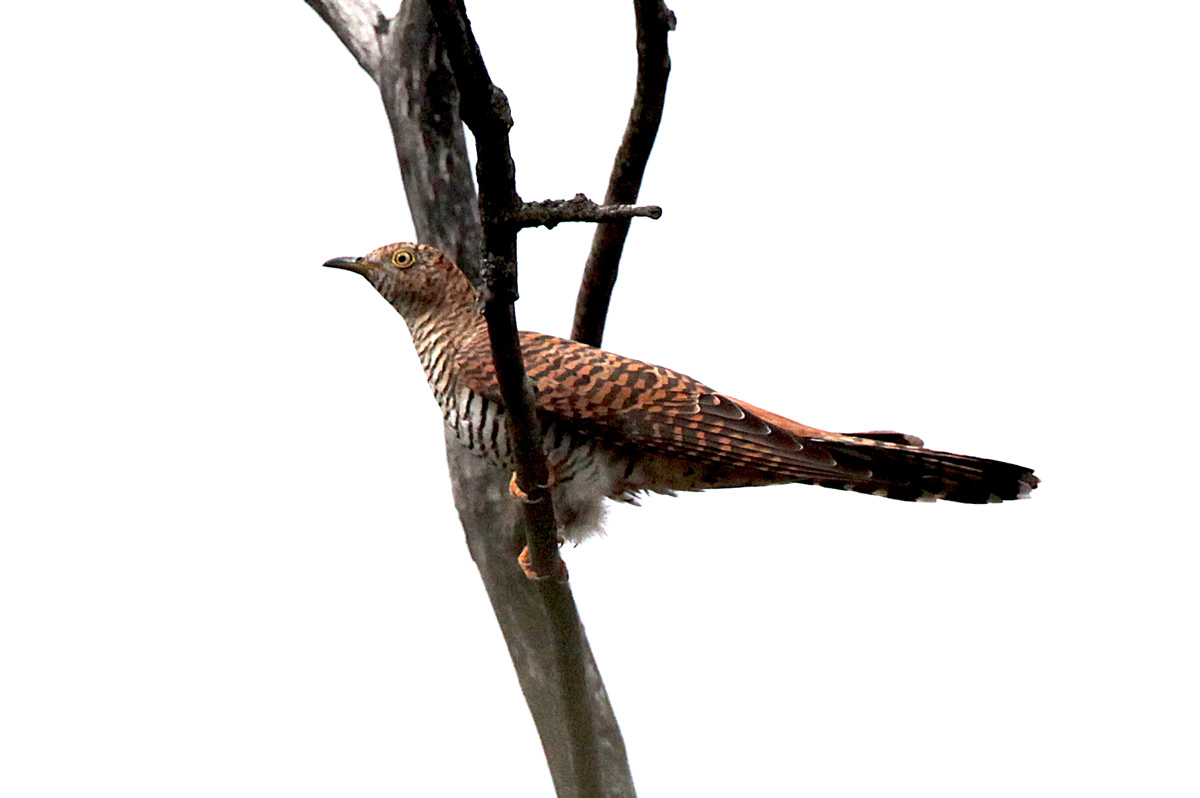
(349, 264)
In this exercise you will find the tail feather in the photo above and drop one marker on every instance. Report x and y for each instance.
(912, 473)
(894, 465)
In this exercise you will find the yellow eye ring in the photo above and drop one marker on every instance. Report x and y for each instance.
(403, 259)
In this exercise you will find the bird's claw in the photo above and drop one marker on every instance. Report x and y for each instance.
(515, 490)
(526, 563)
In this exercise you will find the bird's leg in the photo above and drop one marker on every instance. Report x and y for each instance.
(522, 496)
(527, 567)
(523, 559)
(515, 490)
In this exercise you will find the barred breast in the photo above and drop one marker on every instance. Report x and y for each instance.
(585, 470)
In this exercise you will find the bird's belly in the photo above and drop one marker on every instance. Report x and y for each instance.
(583, 471)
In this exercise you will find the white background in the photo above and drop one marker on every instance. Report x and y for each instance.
(230, 564)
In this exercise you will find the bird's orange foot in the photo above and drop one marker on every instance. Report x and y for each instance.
(526, 564)
(520, 495)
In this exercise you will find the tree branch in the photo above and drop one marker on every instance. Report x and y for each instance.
(485, 111)
(654, 22)
(579, 208)
(358, 23)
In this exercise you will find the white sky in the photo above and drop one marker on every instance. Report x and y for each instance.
(230, 564)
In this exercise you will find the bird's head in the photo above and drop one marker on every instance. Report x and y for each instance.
(413, 277)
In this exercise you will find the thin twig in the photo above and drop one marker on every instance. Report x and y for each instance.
(548, 213)
(654, 22)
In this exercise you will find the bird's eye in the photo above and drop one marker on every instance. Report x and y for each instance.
(403, 258)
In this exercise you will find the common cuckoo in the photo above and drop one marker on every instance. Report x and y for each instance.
(616, 428)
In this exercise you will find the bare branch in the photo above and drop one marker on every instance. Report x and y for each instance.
(358, 23)
(485, 110)
(579, 208)
(654, 22)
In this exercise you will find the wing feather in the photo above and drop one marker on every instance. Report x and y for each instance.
(633, 402)
(661, 412)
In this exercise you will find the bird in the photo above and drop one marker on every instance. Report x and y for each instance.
(617, 428)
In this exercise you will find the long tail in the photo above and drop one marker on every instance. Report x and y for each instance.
(912, 473)
(898, 466)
